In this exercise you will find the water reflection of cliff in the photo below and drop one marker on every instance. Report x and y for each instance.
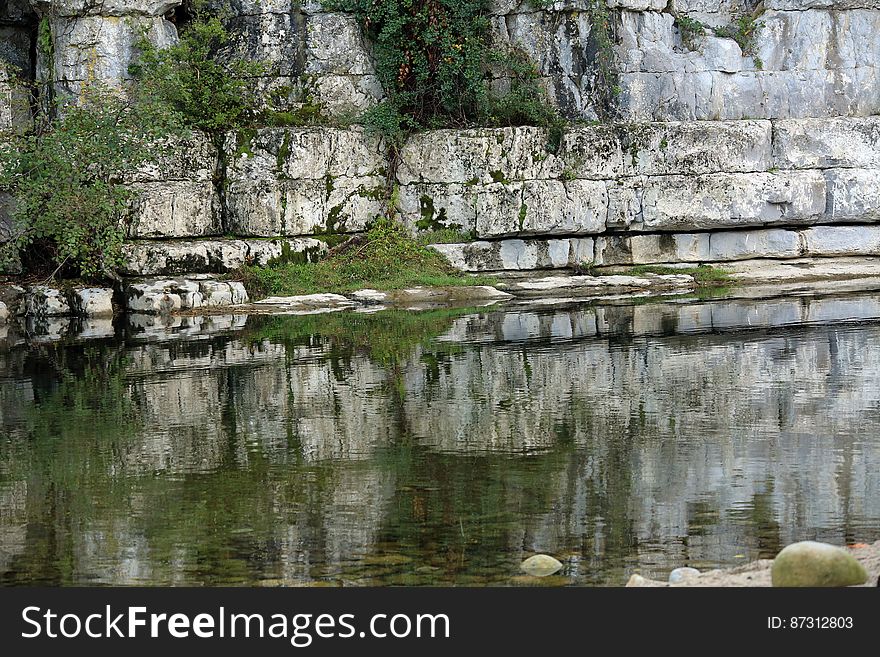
(442, 447)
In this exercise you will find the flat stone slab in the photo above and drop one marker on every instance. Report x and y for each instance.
(170, 295)
(461, 293)
(368, 300)
(304, 302)
(601, 285)
(768, 272)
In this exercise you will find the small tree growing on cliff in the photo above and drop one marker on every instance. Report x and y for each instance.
(72, 203)
(211, 92)
(67, 181)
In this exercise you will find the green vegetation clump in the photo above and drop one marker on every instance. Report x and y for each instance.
(68, 178)
(744, 31)
(67, 181)
(210, 92)
(606, 87)
(386, 257)
(435, 61)
(446, 236)
(525, 101)
(704, 275)
(689, 29)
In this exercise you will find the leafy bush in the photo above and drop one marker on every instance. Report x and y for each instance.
(388, 120)
(434, 60)
(70, 204)
(429, 54)
(211, 92)
(525, 102)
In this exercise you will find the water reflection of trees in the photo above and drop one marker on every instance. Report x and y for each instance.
(303, 451)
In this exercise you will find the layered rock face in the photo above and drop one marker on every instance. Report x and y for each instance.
(811, 58)
(89, 41)
(735, 132)
(612, 194)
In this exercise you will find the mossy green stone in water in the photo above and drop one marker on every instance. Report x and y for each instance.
(541, 565)
(810, 563)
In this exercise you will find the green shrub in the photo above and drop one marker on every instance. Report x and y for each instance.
(525, 102)
(429, 55)
(434, 60)
(70, 204)
(388, 120)
(211, 92)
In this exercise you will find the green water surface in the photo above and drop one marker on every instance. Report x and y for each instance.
(441, 447)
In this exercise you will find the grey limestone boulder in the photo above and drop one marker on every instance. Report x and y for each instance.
(44, 301)
(681, 574)
(92, 302)
(165, 296)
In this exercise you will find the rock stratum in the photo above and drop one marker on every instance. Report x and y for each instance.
(710, 155)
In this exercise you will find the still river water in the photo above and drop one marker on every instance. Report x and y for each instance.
(440, 447)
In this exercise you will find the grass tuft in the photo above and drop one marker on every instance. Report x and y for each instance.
(704, 275)
(386, 257)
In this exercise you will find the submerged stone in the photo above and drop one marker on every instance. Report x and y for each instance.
(541, 565)
(681, 574)
(810, 563)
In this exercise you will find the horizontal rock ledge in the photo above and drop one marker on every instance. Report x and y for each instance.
(164, 257)
(639, 177)
(663, 248)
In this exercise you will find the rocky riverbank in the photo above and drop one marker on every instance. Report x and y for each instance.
(757, 573)
(215, 293)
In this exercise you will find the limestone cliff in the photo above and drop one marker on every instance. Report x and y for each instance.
(710, 153)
